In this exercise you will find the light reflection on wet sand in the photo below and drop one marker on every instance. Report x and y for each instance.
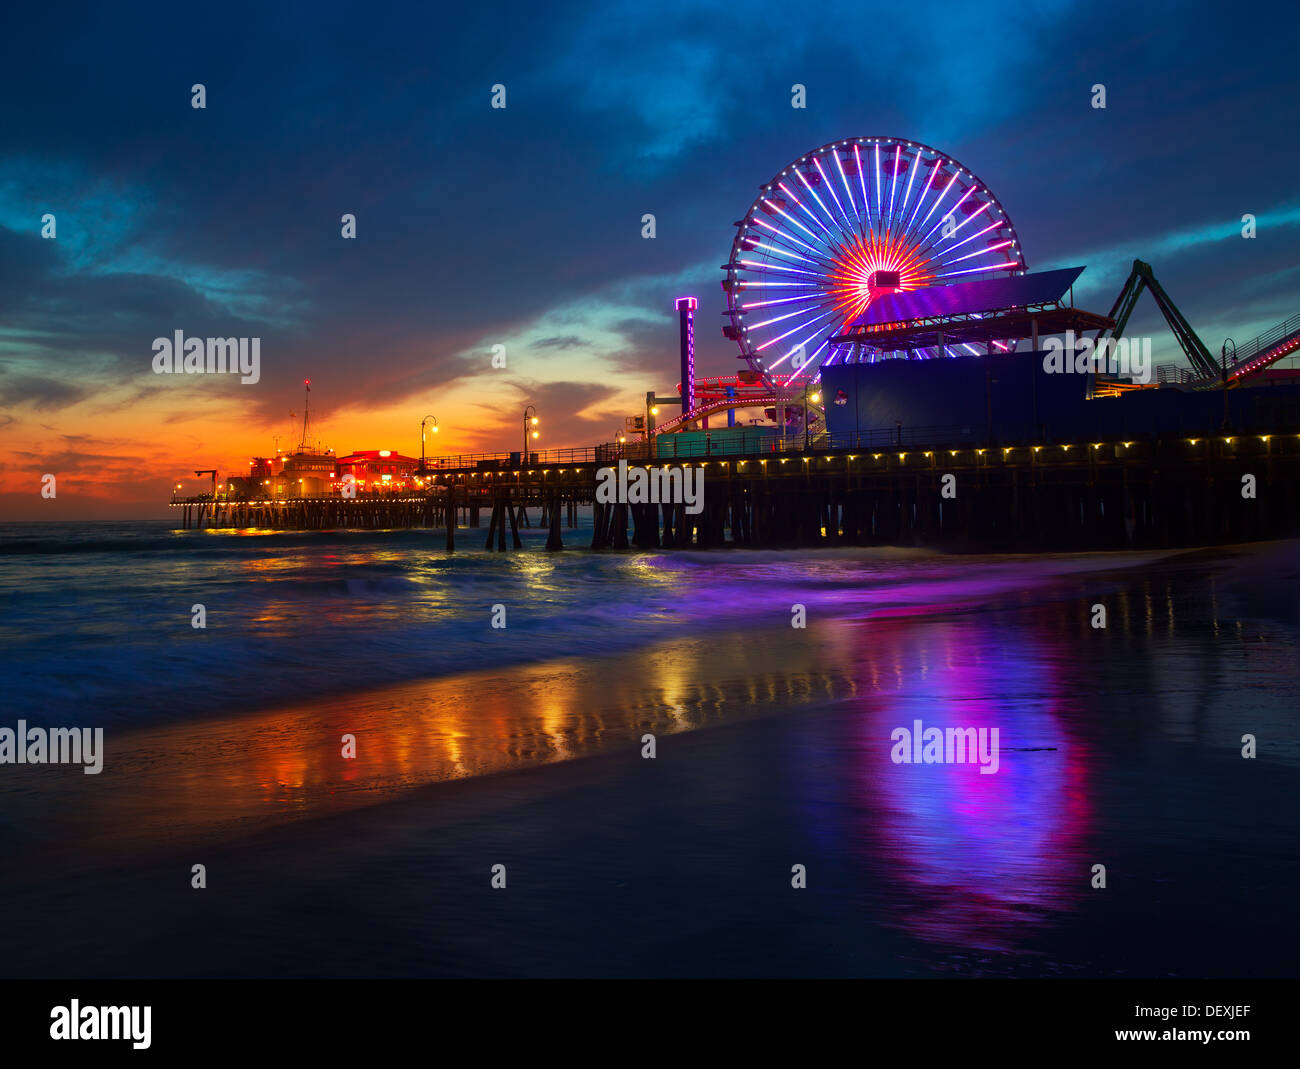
(950, 857)
(221, 776)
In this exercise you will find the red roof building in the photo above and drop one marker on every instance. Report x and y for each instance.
(379, 469)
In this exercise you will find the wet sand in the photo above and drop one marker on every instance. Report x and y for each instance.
(1118, 748)
(673, 867)
(222, 778)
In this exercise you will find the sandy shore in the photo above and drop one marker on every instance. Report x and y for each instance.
(772, 752)
(678, 867)
(218, 779)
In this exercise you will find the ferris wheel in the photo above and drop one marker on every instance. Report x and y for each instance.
(843, 225)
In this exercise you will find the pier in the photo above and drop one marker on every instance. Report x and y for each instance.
(880, 488)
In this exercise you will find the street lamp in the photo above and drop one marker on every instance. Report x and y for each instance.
(816, 398)
(1228, 345)
(530, 427)
(427, 419)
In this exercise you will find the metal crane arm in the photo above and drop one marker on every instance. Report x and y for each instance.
(1140, 278)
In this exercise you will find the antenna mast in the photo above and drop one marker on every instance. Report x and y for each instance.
(302, 445)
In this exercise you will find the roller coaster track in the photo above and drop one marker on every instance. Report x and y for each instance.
(1268, 348)
(1250, 359)
(715, 395)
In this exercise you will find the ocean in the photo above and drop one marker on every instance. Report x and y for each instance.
(1119, 746)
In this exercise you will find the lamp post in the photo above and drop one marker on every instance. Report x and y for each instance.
(530, 427)
(816, 397)
(426, 420)
(1223, 353)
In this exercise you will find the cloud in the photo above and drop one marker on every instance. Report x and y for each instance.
(568, 341)
(42, 394)
(522, 227)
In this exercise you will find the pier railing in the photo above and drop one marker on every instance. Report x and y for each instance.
(1252, 350)
(672, 446)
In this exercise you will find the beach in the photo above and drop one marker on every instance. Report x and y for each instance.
(1118, 746)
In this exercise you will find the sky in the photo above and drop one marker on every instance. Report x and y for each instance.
(522, 226)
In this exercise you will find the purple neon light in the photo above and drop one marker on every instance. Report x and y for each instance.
(893, 186)
(880, 194)
(848, 192)
(862, 181)
(911, 177)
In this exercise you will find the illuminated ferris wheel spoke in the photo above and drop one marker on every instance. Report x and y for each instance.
(980, 252)
(953, 248)
(848, 191)
(778, 267)
(790, 379)
(830, 188)
(953, 233)
(807, 211)
(792, 219)
(977, 270)
(795, 330)
(921, 199)
(786, 252)
(942, 197)
(799, 370)
(813, 193)
(948, 213)
(783, 236)
(893, 185)
(862, 181)
(834, 221)
(911, 177)
(798, 347)
(873, 219)
(778, 319)
(813, 291)
(770, 266)
(880, 192)
(818, 296)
